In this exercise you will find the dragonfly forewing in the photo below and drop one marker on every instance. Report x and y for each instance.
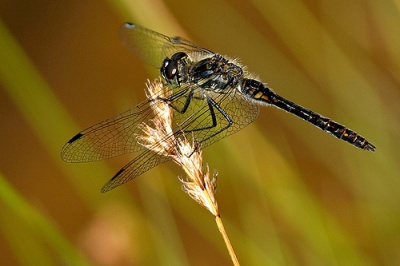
(154, 47)
(112, 137)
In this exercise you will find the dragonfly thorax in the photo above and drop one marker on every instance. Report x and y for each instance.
(214, 73)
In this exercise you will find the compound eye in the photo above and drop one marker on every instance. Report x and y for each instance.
(170, 69)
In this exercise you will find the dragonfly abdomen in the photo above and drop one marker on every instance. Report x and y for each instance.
(260, 92)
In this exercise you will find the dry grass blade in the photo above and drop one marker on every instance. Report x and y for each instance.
(160, 138)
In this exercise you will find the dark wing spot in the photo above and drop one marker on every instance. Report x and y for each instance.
(76, 137)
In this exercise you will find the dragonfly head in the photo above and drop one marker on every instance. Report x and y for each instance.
(173, 69)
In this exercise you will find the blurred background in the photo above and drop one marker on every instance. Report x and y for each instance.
(288, 193)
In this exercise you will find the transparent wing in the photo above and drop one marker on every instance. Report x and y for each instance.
(154, 47)
(109, 138)
(206, 106)
(117, 135)
(141, 164)
(197, 123)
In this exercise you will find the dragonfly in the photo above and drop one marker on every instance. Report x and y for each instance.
(212, 96)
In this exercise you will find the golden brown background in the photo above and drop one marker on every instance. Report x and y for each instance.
(288, 193)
